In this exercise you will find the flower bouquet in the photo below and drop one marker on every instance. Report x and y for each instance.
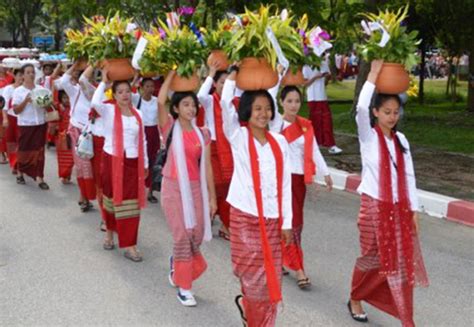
(42, 97)
(175, 47)
(388, 39)
(251, 45)
(112, 41)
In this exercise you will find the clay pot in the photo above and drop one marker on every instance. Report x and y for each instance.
(294, 79)
(220, 57)
(184, 84)
(256, 74)
(119, 69)
(81, 64)
(393, 79)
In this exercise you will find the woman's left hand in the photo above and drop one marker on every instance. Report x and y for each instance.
(287, 236)
(329, 183)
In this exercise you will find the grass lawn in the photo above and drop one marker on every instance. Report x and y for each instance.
(438, 124)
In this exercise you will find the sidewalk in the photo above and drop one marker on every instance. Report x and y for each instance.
(433, 204)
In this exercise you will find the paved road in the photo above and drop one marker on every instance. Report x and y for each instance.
(53, 270)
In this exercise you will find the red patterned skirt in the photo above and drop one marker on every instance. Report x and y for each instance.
(392, 294)
(222, 184)
(125, 218)
(31, 150)
(188, 262)
(12, 135)
(248, 265)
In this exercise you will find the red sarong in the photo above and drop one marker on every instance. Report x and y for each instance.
(293, 253)
(31, 150)
(222, 186)
(3, 139)
(63, 144)
(321, 117)
(248, 265)
(12, 134)
(189, 264)
(152, 147)
(85, 175)
(124, 218)
(393, 293)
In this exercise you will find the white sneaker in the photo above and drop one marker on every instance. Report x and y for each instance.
(186, 298)
(334, 150)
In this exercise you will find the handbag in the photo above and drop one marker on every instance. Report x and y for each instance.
(85, 144)
(159, 164)
(52, 115)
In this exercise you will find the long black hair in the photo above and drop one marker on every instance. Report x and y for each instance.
(246, 101)
(378, 101)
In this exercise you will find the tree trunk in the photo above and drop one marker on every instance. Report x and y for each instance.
(421, 87)
(470, 82)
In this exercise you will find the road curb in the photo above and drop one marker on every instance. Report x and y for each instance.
(433, 204)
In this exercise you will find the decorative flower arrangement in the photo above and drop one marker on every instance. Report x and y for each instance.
(109, 38)
(176, 47)
(388, 38)
(413, 90)
(42, 97)
(250, 38)
(74, 47)
(220, 37)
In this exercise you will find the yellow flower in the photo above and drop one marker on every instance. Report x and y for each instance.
(108, 94)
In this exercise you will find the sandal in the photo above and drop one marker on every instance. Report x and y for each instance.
(135, 257)
(20, 180)
(108, 245)
(284, 271)
(304, 283)
(224, 235)
(43, 186)
(152, 199)
(360, 317)
(238, 300)
(102, 227)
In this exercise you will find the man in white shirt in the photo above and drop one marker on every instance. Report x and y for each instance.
(319, 111)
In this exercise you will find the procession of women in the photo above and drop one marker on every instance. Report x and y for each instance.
(207, 126)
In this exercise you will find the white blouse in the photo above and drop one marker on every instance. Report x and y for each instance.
(130, 126)
(80, 104)
(369, 149)
(277, 125)
(207, 101)
(149, 109)
(32, 115)
(7, 95)
(241, 192)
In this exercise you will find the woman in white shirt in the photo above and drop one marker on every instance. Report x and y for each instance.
(221, 153)
(260, 199)
(188, 195)
(32, 130)
(390, 264)
(10, 121)
(79, 97)
(306, 160)
(124, 166)
(147, 104)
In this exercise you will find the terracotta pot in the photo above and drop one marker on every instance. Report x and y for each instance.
(184, 84)
(256, 74)
(291, 78)
(393, 79)
(220, 57)
(81, 64)
(148, 74)
(119, 69)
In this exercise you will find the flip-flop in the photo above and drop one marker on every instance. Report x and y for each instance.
(108, 246)
(133, 257)
(43, 186)
(304, 283)
(224, 235)
(20, 180)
